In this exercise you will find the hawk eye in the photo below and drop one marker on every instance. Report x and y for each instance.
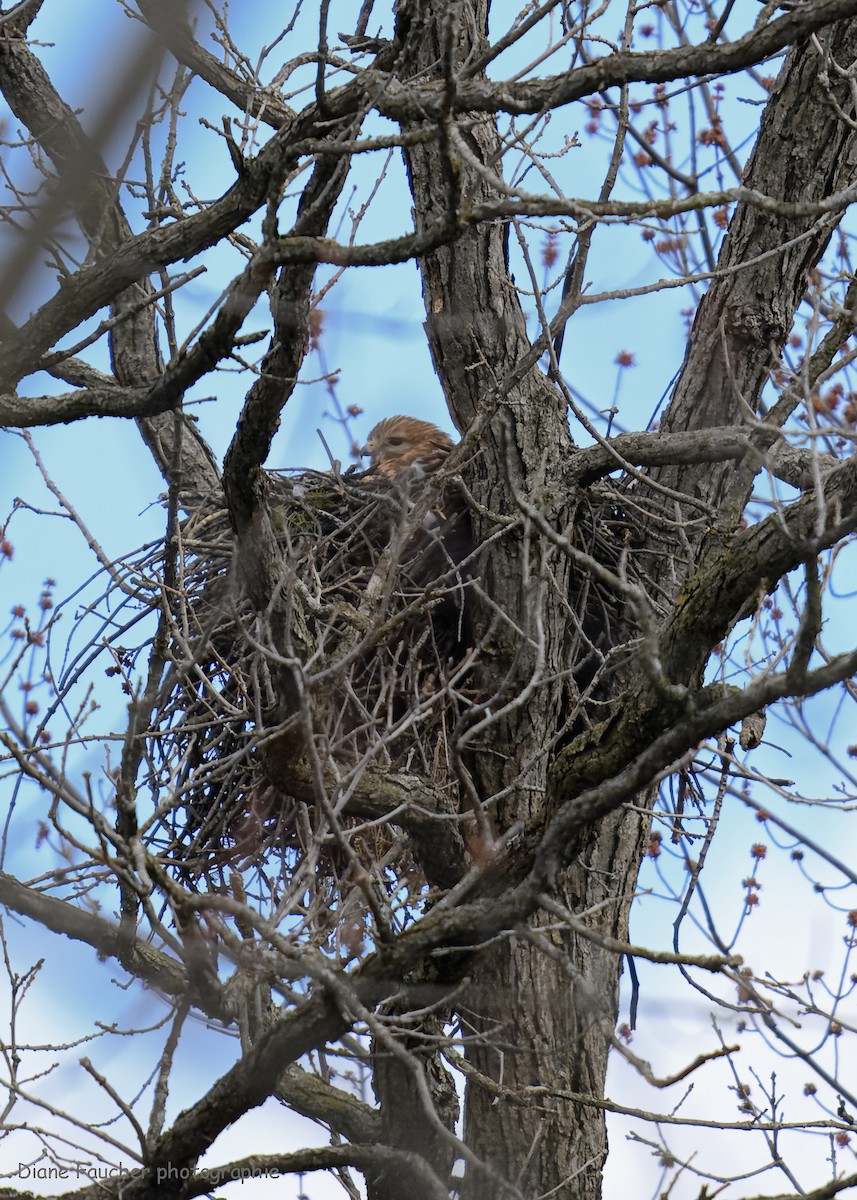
(395, 441)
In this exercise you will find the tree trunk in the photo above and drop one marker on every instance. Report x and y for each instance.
(523, 1003)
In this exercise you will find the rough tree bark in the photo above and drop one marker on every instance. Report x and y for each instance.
(533, 1018)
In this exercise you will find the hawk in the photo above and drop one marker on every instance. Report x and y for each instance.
(406, 451)
(400, 444)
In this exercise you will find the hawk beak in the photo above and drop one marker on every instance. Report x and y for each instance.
(365, 451)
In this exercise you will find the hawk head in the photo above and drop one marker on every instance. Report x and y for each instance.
(399, 444)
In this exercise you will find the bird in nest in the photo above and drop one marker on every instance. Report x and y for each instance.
(406, 451)
(405, 444)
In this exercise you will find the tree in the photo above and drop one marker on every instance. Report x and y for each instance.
(396, 749)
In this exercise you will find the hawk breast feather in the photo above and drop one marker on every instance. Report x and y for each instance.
(405, 444)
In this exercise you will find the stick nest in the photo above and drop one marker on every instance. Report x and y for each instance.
(367, 635)
(363, 660)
